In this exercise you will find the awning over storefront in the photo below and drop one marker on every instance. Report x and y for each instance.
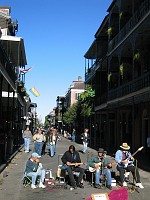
(14, 47)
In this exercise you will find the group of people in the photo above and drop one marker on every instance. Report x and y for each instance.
(71, 161)
(41, 139)
(101, 166)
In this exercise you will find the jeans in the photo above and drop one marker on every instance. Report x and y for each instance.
(38, 147)
(131, 169)
(52, 149)
(84, 147)
(73, 138)
(106, 172)
(71, 176)
(39, 172)
(26, 144)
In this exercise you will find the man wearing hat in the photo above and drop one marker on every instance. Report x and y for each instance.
(100, 165)
(126, 163)
(34, 169)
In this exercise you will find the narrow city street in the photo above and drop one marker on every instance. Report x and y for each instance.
(11, 187)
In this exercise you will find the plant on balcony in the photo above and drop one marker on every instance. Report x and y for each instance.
(109, 76)
(136, 56)
(121, 70)
(20, 83)
(27, 95)
(23, 89)
(86, 101)
(120, 15)
(109, 31)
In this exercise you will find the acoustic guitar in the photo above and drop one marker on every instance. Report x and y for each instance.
(93, 169)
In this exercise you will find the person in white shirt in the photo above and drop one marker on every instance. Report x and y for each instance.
(85, 138)
(39, 139)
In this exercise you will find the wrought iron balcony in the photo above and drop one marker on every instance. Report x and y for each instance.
(133, 86)
(133, 21)
(8, 65)
(92, 70)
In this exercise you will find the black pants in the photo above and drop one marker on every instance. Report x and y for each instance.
(131, 169)
(70, 171)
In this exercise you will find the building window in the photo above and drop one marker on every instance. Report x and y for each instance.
(77, 96)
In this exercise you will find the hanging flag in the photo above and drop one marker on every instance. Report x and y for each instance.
(23, 71)
(34, 92)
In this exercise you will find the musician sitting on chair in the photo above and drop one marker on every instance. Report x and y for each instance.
(71, 161)
(126, 163)
(100, 165)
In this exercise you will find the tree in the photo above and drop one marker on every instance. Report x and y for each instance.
(70, 115)
(47, 122)
(86, 101)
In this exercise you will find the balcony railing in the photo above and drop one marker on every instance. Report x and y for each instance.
(7, 65)
(91, 71)
(133, 86)
(100, 100)
(139, 14)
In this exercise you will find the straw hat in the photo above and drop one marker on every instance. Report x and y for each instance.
(125, 146)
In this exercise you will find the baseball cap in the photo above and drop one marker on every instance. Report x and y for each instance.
(35, 155)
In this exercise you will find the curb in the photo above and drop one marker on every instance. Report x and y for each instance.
(3, 166)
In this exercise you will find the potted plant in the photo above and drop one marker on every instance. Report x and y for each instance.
(23, 89)
(20, 83)
(121, 70)
(109, 76)
(109, 31)
(136, 56)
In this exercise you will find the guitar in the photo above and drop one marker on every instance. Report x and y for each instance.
(64, 166)
(127, 160)
(93, 169)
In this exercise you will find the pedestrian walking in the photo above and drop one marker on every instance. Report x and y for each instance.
(53, 140)
(27, 135)
(44, 142)
(73, 137)
(39, 139)
(148, 148)
(85, 138)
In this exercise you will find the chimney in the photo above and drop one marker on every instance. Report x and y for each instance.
(79, 78)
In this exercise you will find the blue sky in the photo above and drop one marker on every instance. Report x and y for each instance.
(57, 34)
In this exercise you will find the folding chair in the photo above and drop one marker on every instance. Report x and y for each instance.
(26, 180)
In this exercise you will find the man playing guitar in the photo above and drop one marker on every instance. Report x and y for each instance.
(71, 161)
(126, 163)
(100, 165)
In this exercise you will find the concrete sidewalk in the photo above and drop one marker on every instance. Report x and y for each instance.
(12, 187)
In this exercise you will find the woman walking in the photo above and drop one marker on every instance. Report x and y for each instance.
(39, 139)
(85, 137)
(27, 135)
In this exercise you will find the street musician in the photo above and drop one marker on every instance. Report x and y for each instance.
(100, 165)
(125, 163)
(71, 162)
